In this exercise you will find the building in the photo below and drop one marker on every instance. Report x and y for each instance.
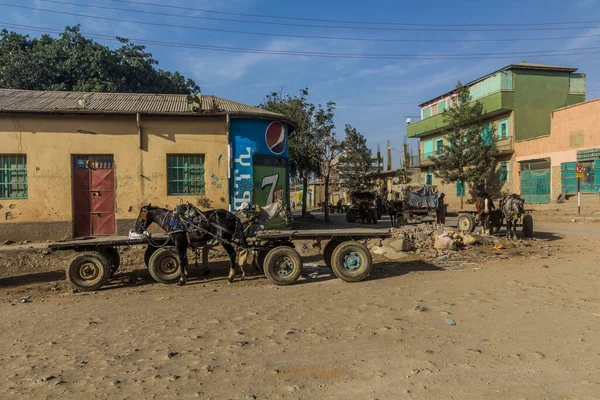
(83, 164)
(518, 100)
(550, 160)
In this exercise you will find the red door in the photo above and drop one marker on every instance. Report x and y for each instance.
(93, 196)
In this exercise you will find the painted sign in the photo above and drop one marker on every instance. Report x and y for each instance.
(252, 141)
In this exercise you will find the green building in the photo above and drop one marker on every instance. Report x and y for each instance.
(518, 100)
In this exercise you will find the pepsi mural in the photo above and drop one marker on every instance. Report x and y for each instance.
(260, 171)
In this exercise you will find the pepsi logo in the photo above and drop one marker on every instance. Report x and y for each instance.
(275, 137)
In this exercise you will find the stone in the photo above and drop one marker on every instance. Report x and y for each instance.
(400, 244)
(374, 243)
(391, 254)
(171, 354)
(249, 396)
(239, 344)
(116, 382)
(378, 250)
(420, 308)
(444, 242)
(469, 240)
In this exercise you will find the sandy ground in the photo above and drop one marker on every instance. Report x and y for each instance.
(527, 326)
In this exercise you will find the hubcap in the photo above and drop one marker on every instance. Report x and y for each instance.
(284, 266)
(168, 266)
(89, 271)
(352, 261)
(465, 223)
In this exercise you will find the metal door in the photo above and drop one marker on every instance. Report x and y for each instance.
(535, 182)
(271, 182)
(93, 196)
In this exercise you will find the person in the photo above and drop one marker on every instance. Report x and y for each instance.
(293, 205)
(339, 206)
(440, 210)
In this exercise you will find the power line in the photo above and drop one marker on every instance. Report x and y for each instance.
(378, 56)
(328, 37)
(381, 56)
(324, 26)
(340, 21)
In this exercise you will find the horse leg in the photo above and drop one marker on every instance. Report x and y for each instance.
(232, 266)
(205, 250)
(182, 246)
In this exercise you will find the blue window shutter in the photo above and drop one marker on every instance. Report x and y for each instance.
(459, 188)
(486, 135)
(503, 129)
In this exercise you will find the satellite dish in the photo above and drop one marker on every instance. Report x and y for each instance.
(408, 121)
(194, 102)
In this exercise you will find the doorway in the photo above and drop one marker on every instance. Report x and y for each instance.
(93, 195)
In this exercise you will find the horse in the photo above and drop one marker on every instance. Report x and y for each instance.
(484, 207)
(512, 207)
(217, 225)
(391, 208)
(257, 218)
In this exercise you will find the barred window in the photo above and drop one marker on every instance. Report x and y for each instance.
(13, 176)
(185, 174)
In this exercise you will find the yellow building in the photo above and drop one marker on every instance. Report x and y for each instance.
(83, 164)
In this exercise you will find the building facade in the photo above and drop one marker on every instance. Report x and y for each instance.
(518, 101)
(83, 164)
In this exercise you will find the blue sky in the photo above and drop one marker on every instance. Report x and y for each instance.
(374, 95)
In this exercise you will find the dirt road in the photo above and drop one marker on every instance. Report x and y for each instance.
(526, 327)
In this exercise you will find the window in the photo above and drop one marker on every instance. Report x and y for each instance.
(460, 188)
(434, 109)
(428, 178)
(427, 149)
(503, 174)
(185, 174)
(503, 129)
(441, 106)
(13, 176)
(439, 147)
(426, 112)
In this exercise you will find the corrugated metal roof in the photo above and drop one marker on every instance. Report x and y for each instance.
(15, 100)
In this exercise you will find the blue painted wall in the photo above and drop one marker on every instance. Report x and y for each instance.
(248, 138)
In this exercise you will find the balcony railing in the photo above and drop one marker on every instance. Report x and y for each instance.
(504, 145)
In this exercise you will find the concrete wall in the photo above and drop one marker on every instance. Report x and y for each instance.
(140, 175)
(537, 94)
(573, 128)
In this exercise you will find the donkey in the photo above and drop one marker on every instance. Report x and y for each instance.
(484, 207)
(513, 207)
(258, 218)
(217, 225)
(392, 209)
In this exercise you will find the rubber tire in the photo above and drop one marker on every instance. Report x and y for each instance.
(351, 217)
(337, 262)
(260, 260)
(374, 217)
(159, 256)
(148, 254)
(561, 198)
(469, 222)
(100, 261)
(527, 226)
(273, 256)
(112, 254)
(328, 251)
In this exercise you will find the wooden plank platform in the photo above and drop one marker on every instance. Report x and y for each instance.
(107, 241)
(308, 234)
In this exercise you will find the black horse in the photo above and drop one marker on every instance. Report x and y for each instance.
(182, 226)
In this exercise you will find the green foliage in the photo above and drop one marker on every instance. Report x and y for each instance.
(356, 161)
(72, 62)
(469, 155)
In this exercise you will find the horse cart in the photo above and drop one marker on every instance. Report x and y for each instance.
(413, 207)
(362, 208)
(97, 259)
(468, 220)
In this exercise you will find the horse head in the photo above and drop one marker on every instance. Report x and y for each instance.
(280, 209)
(143, 220)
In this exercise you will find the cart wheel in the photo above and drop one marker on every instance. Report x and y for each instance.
(527, 226)
(149, 251)
(328, 251)
(283, 265)
(351, 217)
(466, 223)
(164, 266)
(260, 259)
(89, 270)
(351, 261)
(112, 254)
(374, 217)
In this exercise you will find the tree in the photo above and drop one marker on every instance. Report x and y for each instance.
(329, 147)
(469, 156)
(356, 160)
(303, 146)
(72, 62)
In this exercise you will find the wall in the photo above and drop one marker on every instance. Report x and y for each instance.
(537, 94)
(258, 184)
(573, 128)
(49, 141)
